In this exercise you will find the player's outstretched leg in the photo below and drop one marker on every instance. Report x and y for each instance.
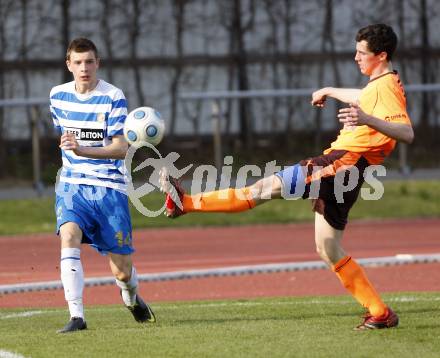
(228, 200)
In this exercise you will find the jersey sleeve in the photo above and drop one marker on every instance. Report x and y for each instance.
(117, 116)
(391, 104)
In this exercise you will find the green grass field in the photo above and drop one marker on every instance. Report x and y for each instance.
(402, 199)
(280, 327)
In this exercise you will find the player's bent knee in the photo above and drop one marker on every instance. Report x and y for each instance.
(329, 252)
(323, 254)
(70, 235)
(330, 258)
(121, 267)
(69, 239)
(122, 275)
(277, 186)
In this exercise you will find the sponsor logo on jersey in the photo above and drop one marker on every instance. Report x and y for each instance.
(75, 131)
(91, 134)
(394, 117)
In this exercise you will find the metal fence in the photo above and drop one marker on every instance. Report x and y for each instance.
(216, 99)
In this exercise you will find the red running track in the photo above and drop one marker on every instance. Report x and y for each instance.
(36, 258)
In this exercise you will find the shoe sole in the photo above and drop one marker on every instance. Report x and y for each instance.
(367, 327)
(152, 318)
(175, 211)
(62, 331)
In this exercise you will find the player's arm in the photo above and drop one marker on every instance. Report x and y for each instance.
(354, 116)
(115, 150)
(346, 95)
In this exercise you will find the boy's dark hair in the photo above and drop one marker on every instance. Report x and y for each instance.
(380, 37)
(81, 44)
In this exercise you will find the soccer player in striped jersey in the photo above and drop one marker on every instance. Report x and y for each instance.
(91, 202)
(374, 121)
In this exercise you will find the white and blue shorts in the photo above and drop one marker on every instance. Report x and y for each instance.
(101, 213)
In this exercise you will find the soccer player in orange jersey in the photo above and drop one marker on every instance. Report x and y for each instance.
(372, 123)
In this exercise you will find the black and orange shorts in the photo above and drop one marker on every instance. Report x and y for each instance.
(332, 181)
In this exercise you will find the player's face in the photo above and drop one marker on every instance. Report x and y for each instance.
(367, 61)
(83, 66)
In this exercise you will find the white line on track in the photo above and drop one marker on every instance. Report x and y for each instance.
(166, 306)
(21, 314)
(302, 302)
(7, 354)
(228, 271)
(343, 301)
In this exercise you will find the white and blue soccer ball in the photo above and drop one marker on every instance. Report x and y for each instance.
(144, 124)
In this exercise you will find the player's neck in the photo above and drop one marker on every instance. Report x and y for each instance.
(86, 88)
(386, 67)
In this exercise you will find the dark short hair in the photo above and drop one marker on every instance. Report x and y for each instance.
(81, 44)
(379, 37)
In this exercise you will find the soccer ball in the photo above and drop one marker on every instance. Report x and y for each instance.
(144, 124)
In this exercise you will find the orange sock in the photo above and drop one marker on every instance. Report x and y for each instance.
(227, 200)
(355, 280)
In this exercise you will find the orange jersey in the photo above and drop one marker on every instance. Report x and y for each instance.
(384, 98)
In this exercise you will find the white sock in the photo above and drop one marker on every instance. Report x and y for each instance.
(72, 277)
(129, 289)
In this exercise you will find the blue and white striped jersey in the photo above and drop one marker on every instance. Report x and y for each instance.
(94, 118)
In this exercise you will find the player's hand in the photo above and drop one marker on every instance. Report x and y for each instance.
(319, 97)
(352, 116)
(69, 142)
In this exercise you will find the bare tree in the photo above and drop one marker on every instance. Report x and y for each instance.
(238, 32)
(179, 7)
(194, 112)
(400, 12)
(23, 55)
(282, 17)
(288, 20)
(327, 50)
(65, 32)
(5, 9)
(107, 34)
(425, 61)
(275, 14)
(236, 25)
(133, 30)
(198, 79)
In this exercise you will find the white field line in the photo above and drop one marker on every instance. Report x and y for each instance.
(404, 299)
(348, 301)
(21, 314)
(227, 271)
(167, 306)
(7, 354)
